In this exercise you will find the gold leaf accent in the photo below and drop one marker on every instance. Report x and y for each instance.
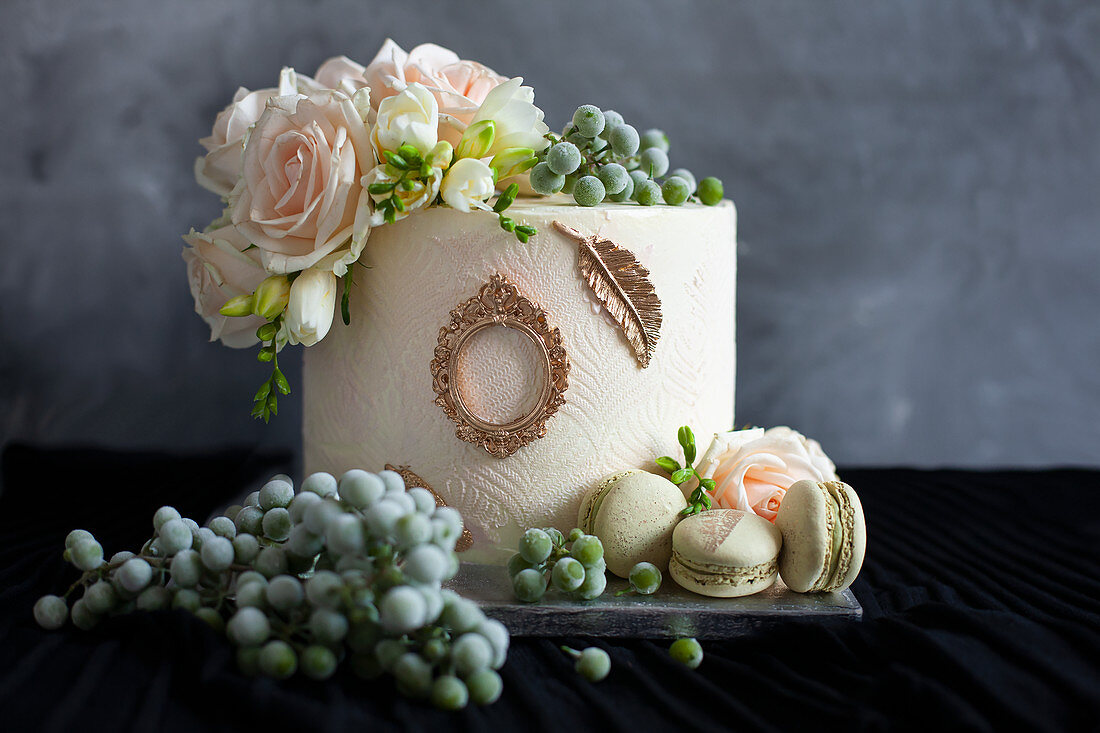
(622, 285)
(411, 481)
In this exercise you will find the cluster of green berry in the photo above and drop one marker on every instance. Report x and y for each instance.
(599, 157)
(343, 569)
(573, 564)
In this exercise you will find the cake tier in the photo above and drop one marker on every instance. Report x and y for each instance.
(369, 397)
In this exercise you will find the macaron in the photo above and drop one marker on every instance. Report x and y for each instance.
(725, 553)
(824, 536)
(633, 513)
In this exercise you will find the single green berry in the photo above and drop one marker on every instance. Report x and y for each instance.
(687, 652)
(611, 120)
(516, 563)
(624, 141)
(593, 663)
(485, 687)
(595, 582)
(645, 577)
(710, 191)
(535, 546)
(278, 660)
(221, 526)
(563, 158)
(687, 176)
(588, 550)
(51, 612)
(648, 193)
(589, 120)
(449, 693)
(589, 191)
(567, 575)
(675, 191)
(653, 161)
(570, 183)
(529, 585)
(575, 534)
(654, 138)
(614, 178)
(626, 194)
(163, 515)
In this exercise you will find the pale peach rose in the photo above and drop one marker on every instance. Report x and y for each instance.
(219, 170)
(753, 469)
(299, 199)
(340, 72)
(220, 268)
(459, 86)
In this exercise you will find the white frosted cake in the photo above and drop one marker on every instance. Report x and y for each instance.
(371, 397)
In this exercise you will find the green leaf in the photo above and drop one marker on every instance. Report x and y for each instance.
(668, 463)
(345, 299)
(521, 236)
(687, 441)
(682, 475)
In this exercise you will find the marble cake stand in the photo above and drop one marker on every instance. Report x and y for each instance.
(670, 613)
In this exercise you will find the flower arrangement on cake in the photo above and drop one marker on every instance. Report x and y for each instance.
(306, 170)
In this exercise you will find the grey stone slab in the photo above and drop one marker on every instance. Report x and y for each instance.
(670, 613)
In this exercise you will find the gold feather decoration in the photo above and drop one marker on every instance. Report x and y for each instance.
(622, 285)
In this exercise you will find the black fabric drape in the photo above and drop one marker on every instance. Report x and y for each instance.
(981, 596)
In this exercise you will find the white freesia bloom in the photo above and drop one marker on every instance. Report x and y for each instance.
(410, 117)
(517, 121)
(467, 184)
(312, 305)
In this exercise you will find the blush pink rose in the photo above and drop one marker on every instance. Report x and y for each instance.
(459, 86)
(753, 469)
(220, 267)
(299, 199)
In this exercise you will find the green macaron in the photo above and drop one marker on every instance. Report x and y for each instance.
(725, 553)
(633, 513)
(824, 536)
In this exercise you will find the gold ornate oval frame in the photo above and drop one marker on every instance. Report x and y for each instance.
(498, 303)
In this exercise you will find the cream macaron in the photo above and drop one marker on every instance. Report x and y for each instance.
(633, 513)
(824, 536)
(725, 553)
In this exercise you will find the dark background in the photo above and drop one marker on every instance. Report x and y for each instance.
(918, 187)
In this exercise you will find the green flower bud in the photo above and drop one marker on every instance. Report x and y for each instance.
(441, 154)
(271, 297)
(512, 161)
(241, 305)
(477, 140)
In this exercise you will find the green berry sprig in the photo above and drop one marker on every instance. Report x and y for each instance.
(574, 565)
(598, 157)
(593, 663)
(298, 581)
(700, 497)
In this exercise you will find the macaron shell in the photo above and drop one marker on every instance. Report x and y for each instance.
(593, 495)
(804, 521)
(725, 553)
(854, 547)
(634, 516)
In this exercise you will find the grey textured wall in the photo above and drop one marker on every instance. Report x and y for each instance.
(918, 186)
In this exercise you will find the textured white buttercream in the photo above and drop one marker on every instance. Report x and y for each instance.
(368, 386)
